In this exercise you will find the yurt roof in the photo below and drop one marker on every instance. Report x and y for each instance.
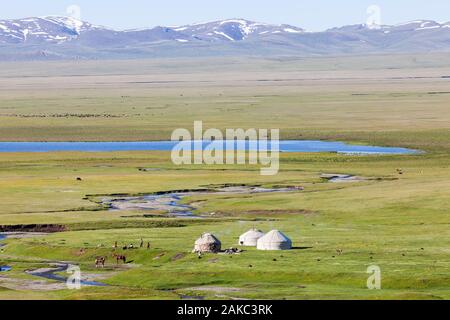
(253, 232)
(275, 236)
(207, 238)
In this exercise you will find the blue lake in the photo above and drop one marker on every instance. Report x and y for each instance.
(284, 146)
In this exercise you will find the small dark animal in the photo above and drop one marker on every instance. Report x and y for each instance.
(100, 262)
(120, 257)
(79, 179)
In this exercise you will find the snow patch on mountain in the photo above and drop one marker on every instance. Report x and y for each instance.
(224, 35)
(290, 30)
(70, 23)
(427, 28)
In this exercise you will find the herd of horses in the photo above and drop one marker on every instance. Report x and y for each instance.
(100, 261)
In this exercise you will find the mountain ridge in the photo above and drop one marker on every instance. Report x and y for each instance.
(58, 37)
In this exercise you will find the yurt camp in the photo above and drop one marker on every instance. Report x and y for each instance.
(250, 238)
(207, 243)
(274, 240)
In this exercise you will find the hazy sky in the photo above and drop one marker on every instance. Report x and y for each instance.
(314, 15)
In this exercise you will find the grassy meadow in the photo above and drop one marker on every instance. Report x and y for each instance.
(399, 222)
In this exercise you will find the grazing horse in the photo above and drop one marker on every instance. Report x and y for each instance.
(120, 257)
(100, 261)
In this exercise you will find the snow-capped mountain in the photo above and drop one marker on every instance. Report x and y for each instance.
(420, 25)
(68, 38)
(43, 29)
(60, 29)
(233, 30)
(411, 26)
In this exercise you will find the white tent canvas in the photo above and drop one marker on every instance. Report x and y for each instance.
(274, 240)
(250, 238)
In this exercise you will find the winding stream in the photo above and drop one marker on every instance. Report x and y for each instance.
(171, 202)
(51, 274)
(3, 268)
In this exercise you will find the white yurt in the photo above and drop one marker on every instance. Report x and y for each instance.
(207, 243)
(274, 240)
(250, 238)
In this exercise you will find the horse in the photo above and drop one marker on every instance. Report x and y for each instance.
(120, 258)
(100, 261)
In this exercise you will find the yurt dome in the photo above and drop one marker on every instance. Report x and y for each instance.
(274, 240)
(250, 238)
(207, 243)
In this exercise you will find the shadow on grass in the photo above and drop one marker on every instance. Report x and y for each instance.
(301, 248)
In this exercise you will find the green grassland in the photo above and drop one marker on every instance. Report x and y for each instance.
(399, 222)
